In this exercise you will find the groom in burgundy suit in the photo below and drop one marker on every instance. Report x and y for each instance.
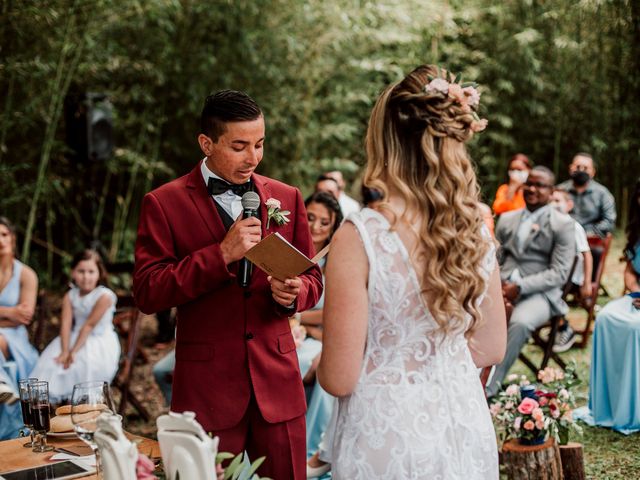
(236, 363)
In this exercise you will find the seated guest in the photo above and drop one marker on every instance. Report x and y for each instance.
(614, 397)
(88, 348)
(509, 195)
(18, 293)
(537, 248)
(581, 278)
(327, 184)
(324, 216)
(593, 205)
(348, 205)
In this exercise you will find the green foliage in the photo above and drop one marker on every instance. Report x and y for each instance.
(557, 77)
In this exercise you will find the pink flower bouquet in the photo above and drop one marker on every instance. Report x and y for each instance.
(532, 412)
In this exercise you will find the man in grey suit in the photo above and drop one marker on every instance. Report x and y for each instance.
(537, 248)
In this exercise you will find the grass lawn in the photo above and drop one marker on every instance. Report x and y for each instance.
(607, 454)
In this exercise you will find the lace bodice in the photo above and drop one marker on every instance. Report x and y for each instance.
(418, 410)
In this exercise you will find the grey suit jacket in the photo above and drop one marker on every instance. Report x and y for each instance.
(546, 257)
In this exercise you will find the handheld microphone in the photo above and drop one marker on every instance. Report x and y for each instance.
(250, 204)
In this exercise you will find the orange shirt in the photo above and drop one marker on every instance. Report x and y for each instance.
(501, 204)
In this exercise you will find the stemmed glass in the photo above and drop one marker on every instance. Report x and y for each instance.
(88, 401)
(40, 413)
(25, 404)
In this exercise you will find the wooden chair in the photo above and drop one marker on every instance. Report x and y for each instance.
(128, 319)
(546, 344)
(600, 249)
(41, 316)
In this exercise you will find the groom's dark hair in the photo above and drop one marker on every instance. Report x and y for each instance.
(226, 106)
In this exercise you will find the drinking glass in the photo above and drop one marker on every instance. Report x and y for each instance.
(40, 413)
(88, 401)
(25, 404)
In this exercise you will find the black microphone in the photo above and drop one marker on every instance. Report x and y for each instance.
(250, 204)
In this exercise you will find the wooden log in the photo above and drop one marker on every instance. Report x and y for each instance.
(537, 462)
(572, 461)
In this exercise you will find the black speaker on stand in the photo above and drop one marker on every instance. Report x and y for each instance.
(89, 135)
(89, 123)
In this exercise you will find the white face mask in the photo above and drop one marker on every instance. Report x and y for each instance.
(519, 176)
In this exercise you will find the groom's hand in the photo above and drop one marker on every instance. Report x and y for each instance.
(285, 293)
(242, 235)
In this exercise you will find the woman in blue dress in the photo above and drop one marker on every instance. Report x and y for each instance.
(18, 292)
(614, 390)
(324, 216)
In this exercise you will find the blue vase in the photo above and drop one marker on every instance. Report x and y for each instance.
(539, 440)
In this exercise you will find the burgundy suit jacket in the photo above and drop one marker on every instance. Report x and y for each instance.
(229, 341)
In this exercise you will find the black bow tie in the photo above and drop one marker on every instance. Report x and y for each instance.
(217, 186)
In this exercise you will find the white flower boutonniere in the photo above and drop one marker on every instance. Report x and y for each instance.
(275, 213)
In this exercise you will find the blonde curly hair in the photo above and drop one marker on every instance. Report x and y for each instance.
(415, 149)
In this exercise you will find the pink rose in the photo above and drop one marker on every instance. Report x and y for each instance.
(478, 126)
(527, 405)
(555, 413)
(512, 390)
(539, 424)
(537, 414)
(543, 401)
(495, 408)
(473, 96)
(529, 425)
(456, 93)
(145, 468)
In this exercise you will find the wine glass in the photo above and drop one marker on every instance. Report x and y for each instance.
(40, 413)
(25, 404)
(88, 401)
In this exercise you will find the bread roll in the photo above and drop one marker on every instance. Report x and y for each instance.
(63, 423)
(66, 409)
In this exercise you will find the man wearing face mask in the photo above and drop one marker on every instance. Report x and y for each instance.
(594, 206)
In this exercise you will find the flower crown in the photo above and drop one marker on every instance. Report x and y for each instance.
(465, 94)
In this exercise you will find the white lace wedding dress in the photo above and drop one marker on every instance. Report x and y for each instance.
(418, 410)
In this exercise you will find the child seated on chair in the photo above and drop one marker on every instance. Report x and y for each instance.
(582, 274)
(88, 348)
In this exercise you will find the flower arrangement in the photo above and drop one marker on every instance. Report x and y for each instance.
(239, 468)
(275, 213)
(531, 412)
(465, 94)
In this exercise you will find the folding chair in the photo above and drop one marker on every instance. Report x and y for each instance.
(599, 249)
(546, 345)
(130, 316)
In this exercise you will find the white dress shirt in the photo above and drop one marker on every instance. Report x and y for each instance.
(229, 201)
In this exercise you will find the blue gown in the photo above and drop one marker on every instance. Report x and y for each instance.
(614, 390)
(320, 403)
(22, 357)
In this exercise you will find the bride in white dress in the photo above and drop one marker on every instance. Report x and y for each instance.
(413, 298)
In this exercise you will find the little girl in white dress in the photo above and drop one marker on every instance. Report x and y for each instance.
(88, 348)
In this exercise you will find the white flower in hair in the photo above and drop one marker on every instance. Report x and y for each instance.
(437, 85)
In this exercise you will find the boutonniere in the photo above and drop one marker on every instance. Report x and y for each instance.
(274, 213)
(535, 227)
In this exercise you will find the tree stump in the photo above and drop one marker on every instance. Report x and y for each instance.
(537, 462)
(572, 461)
